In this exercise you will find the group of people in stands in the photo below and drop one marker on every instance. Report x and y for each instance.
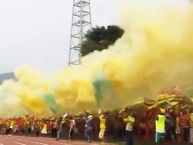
(164, 125)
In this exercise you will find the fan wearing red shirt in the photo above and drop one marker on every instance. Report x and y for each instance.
(184, 120)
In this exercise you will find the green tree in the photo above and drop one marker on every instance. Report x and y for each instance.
(100, 38)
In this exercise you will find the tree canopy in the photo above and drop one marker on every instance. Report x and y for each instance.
(100, 38)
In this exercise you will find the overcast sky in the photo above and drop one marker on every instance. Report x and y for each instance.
(37, 32)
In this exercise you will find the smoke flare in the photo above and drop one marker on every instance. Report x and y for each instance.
(155, 53)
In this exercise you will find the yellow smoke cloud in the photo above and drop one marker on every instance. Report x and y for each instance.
(73, 88)
(10, 104)
(32, 86)
(155, 53)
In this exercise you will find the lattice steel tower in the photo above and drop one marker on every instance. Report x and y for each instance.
(81, 23)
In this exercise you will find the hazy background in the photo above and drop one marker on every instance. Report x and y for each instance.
(37, 32)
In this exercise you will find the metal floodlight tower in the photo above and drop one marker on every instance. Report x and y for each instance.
(81, 23)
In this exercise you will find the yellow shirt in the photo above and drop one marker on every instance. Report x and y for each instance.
(191, 120)
(45, 126)
(102, 123)
(160, 124)
(1, 122)
(130, 121)
(12, 124)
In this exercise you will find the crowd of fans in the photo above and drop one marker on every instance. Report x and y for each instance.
(158, 124)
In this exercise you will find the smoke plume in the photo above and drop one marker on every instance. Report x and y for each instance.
(155, 53)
